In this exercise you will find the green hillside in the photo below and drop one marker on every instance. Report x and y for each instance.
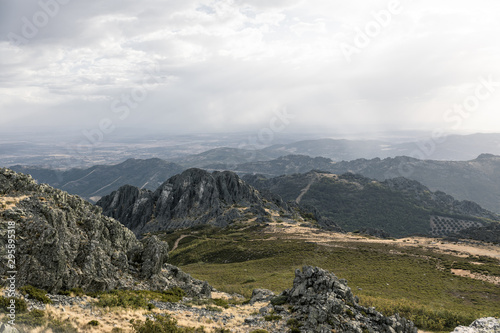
(413, 280)
(398, 206)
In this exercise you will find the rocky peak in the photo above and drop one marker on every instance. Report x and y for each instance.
(324, 303)
(63, 242)
(191, 198)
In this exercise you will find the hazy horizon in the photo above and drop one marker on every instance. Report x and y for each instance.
(356, 69)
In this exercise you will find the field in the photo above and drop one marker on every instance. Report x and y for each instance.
(413, 276)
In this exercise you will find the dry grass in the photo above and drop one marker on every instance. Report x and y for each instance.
(476, 276)
(10, 202)
(293, 231)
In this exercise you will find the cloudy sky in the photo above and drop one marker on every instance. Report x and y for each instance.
(187, 66)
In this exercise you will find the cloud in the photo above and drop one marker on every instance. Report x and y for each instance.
(224, 65)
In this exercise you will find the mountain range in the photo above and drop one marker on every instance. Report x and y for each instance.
(398, 206)
(475, 180)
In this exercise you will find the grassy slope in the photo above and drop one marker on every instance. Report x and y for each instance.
(413, 281)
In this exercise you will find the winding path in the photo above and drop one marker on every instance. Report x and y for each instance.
(176, 244)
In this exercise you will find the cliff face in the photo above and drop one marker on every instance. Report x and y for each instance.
(192, 198)
(64, 242)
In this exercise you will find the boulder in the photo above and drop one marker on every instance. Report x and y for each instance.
(261, 295)
(482, 325)
(322, 303)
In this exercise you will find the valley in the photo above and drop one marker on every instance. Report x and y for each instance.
(211, 250)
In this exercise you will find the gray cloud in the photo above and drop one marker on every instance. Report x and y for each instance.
(229, 64)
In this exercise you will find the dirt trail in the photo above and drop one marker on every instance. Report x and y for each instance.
(176, 244)
(306, 189)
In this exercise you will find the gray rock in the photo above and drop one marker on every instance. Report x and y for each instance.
(261, 295)
(482, 325)
(322, 302)
(5, 328)
(63, 242)
(192, 198)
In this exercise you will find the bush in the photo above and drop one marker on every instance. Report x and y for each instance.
(60, 326)
(93, 323)
(259, 331)
(162, 324)
(19, 303)
(272, 316)
(124, 299)
(34, 318)
(279, 300)
(213, 308)
(38, 294)
(220, 302)
(138, 299)
(424, 317)
(72, 292)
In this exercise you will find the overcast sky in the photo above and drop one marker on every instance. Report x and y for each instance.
(190, 66)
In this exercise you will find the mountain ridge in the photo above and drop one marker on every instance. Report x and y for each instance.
(398, 206)
(191, 198)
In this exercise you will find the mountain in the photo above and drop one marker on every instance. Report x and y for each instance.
(336, 149)
(194, 197)
(476, 180)
(398, 206)
(223, 156)
(285, 165)
(452, 147)
(63, 242)
(99, 180)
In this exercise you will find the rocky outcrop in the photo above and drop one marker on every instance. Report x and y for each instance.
(323, 303)
(261, 295)
(192, 198)
(482, 325)
(63, 242)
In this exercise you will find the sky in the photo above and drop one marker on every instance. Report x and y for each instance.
(184, 66)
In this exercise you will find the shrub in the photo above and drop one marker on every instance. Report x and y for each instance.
(213, 308)
(272, 316)
(33, 318)
(59, 326)
(220, 302)
(259, 331)
(72, 292)
(93, 323)
(38, 294)
(279, 300)
(138, 298)
(19, 303)
(162, 324)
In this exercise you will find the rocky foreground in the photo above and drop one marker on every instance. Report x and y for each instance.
(63, 242)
